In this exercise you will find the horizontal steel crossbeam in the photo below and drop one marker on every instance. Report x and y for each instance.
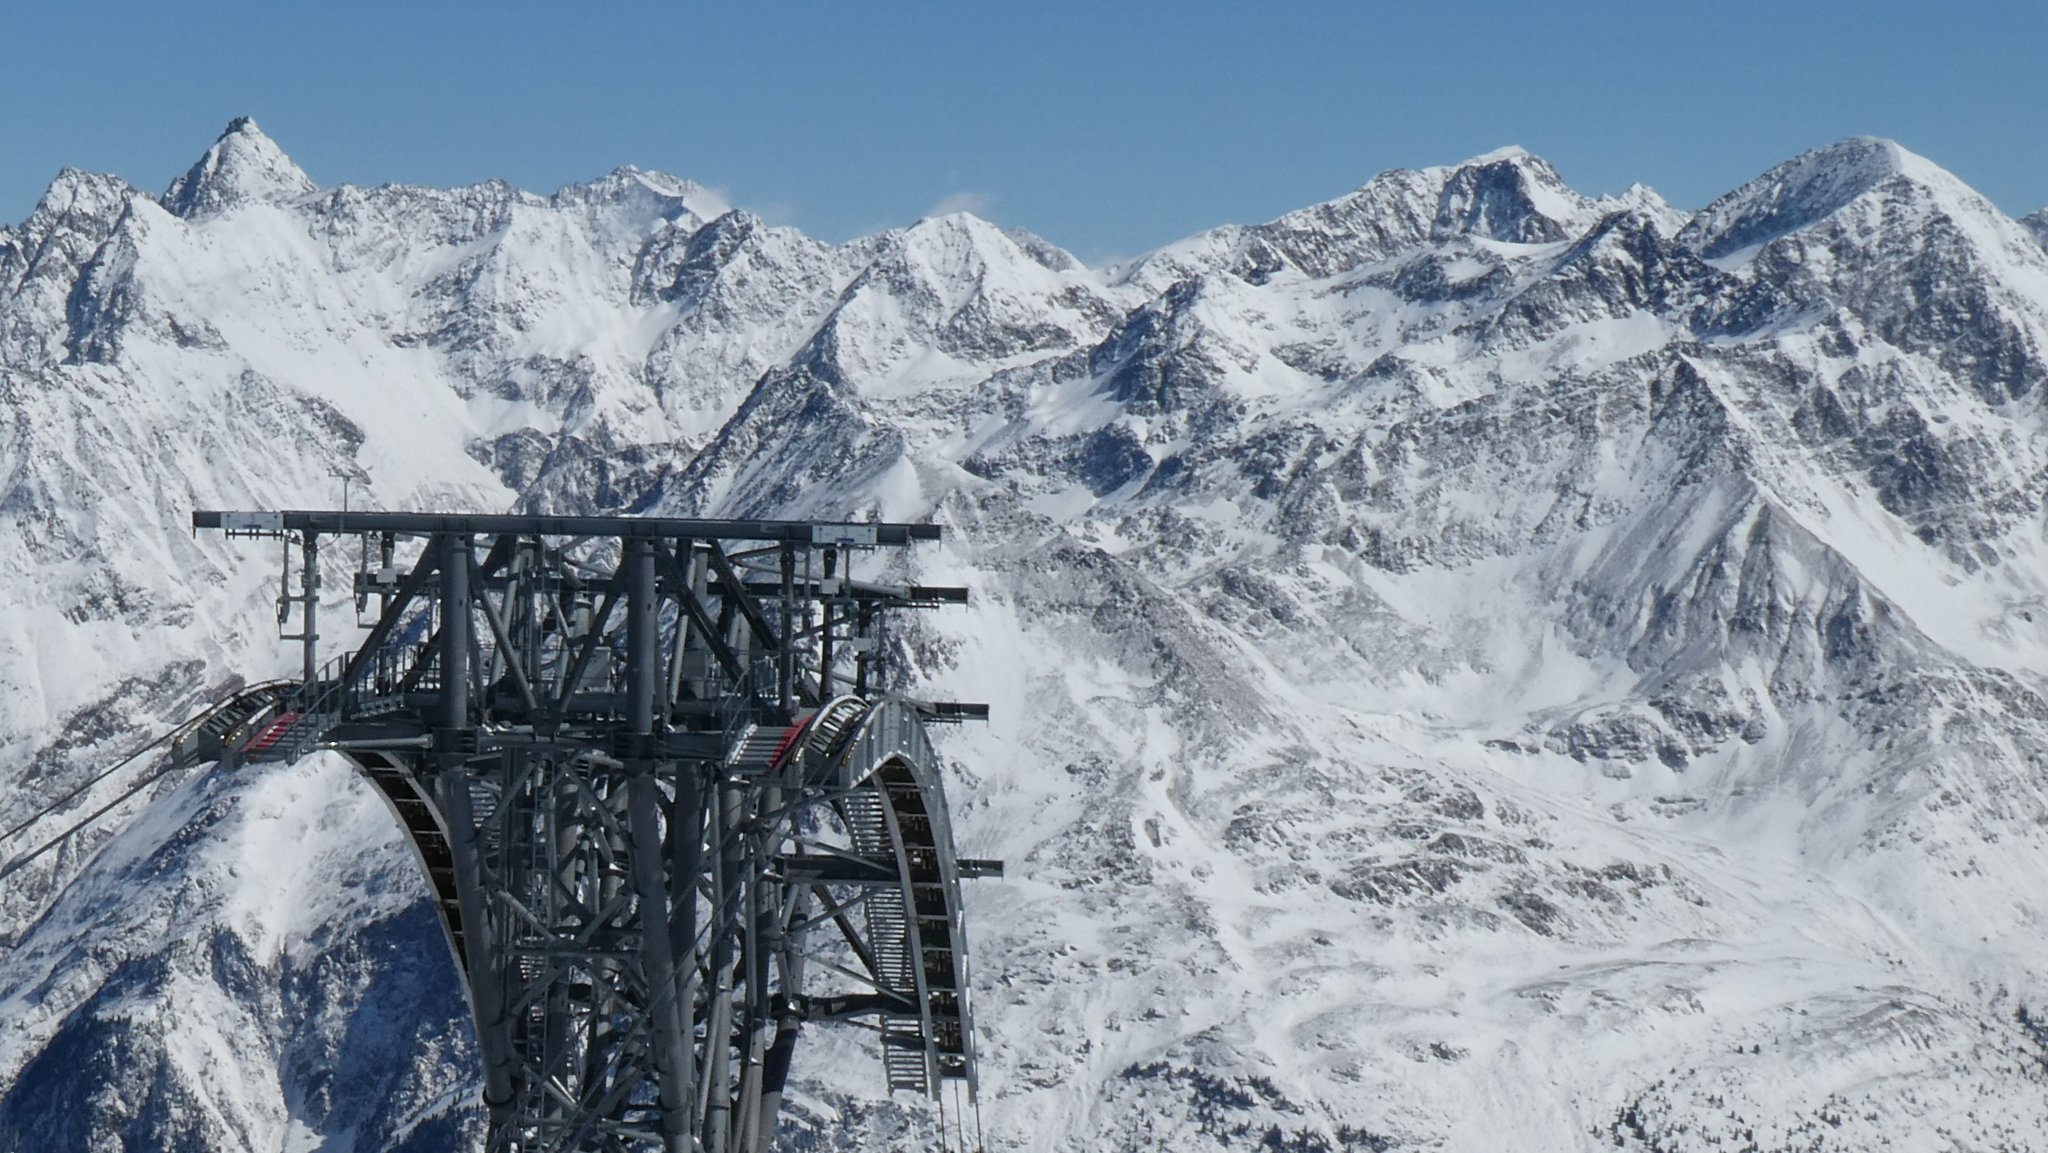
(838, 534)
(645, 803)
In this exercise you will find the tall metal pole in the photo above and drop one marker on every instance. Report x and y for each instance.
(309, 592)
(686, 836)
(453, 738)
(827, 686)
(775, 1068)
(785, 675)
(729, 890)
(643, 800)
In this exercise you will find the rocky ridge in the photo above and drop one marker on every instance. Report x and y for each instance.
(1477, 666)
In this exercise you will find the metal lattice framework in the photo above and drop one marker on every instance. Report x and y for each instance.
(667, 813)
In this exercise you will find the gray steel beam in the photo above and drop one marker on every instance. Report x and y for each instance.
(652, 527)
(309, 589)
(453, 737)
(643, 673)
(573, 829)
(390, 616)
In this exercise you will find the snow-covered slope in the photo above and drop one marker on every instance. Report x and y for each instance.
(1475, 666)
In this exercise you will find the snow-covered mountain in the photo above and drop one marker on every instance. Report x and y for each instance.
(1475, 666)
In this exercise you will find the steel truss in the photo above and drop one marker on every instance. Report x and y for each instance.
(650, 773)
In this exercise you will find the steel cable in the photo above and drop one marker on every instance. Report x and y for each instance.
(68, 797)
(168, 737)
(148, 779)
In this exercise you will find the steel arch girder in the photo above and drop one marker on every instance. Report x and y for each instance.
(887, 756)
(890, 755)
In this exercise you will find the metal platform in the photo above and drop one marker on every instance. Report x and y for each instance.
(667, 809)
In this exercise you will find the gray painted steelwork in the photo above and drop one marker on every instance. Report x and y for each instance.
(338, 522)
(667, 811)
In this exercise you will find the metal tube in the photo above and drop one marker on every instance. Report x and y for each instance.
(674, 692)
(825, 688)
(863, 656)
(785, 674)
(451, 737)
(309, 591)
(643, 802)
(686, 852)
(753, 955)
(747, 1104)
(454, 632)
(643, 643)
(694, 572)
(775, 1068)
(386, 545)
(671, 1048)
(718, 1040)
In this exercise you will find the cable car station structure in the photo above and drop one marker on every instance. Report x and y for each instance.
(667, 813)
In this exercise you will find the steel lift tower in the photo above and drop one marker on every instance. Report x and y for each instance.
(667, 812)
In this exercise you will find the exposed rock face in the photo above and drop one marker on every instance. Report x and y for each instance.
(1476, 666)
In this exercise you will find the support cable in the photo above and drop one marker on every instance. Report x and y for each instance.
(68, 797)
(168, 766)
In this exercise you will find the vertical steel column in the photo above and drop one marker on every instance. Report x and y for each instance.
(643, 802)
(309, 591)
(763, 942)
(453, 740)
(681, 645)
(643, 651)
(863, 656)
(747, 1102)
(689, 816)
(686, 869)
(827, 687)
(455, 628)
(788, 1022)
(785, 669)
(387, 573)
(730, 890)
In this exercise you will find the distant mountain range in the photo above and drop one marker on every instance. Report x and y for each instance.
(1475, 667)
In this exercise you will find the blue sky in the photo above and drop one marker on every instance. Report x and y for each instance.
(1106, 127)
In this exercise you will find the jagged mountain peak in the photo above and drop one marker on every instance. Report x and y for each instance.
(1651, 203)
(1810, 188)
(1386, 215)
(683, 263)
(1044, 251)
(1513, 157)
(2036, 224)
(243, 166)
(629, 183)
(964, 241)
(948, 227)
(1509, 152)
(78, 195)
(1509, 195)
